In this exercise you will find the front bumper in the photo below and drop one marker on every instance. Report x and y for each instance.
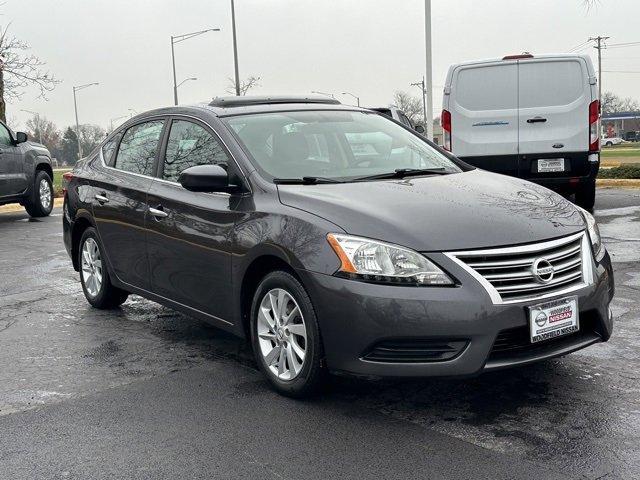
(355, 316)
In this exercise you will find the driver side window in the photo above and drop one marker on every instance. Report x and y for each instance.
(5, 136)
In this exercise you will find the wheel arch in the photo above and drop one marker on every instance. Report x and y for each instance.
(44, 166)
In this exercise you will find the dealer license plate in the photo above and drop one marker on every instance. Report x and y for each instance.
(553, 319)
(551, 165)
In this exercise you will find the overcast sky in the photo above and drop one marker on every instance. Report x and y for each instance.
(369, 47)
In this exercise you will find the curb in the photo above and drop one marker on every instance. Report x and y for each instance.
(16, 207)
(618, 183)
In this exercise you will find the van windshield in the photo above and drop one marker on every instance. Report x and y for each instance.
(339, 145)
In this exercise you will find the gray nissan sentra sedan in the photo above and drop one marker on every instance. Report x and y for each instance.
(336, 240)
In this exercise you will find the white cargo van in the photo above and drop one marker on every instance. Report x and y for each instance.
(534, 117)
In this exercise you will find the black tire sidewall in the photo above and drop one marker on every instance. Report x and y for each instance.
(35, 208)
(309, 378)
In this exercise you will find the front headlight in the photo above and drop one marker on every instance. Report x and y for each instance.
(371, 260)
(594, 233)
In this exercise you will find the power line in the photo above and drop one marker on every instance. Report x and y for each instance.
(621, 71)
(622, 45)
(579, 46)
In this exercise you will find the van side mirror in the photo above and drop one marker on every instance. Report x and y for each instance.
(21, 137)
(419, 129)
(206, 178)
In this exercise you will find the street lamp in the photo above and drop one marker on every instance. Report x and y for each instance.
(177, 39)
(132, 112)
(354, 96)
(115, 120)
(325, 94)
(37, 115)
(186, 80)
(75, 106)
(235, 47)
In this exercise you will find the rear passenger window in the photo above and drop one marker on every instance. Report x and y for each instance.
(493, 87)
(138, 148)
(189, 145)
(545, 84)
(109, 149)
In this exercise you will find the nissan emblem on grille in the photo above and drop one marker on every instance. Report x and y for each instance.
(542, 270)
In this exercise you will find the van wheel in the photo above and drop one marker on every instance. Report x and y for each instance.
(285, 336)
(94, 276)
(40, 203)
(586, 196)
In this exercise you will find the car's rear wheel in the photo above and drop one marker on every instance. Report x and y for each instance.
(40, 203)
(285, 335)
(94, 276)
(586, 196)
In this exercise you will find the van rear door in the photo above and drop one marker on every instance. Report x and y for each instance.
(483, 103)
(554, 96)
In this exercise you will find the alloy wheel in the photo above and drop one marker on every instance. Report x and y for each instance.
(91, 267)
(282, 334)
(45, 194)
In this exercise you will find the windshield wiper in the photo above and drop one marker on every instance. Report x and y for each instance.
(305, 181)
(405, 172)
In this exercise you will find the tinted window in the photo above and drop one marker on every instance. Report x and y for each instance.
(189, 145)
(109, 149)
(138, 148)
(5, 137)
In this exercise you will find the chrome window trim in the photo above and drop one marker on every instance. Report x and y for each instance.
(166, 117)
(586, 256)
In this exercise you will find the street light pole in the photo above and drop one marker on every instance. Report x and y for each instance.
(177, 39)
(75, 106)
(325, 94)
(354, 96)
(429, 60)
(37, 116)
(235, 47)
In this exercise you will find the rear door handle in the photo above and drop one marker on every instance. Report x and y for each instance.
(157, 213)
(537, 120)
(101, 198)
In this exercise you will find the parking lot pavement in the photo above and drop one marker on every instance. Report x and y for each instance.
(146, 392)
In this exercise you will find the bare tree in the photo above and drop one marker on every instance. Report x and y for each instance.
(410, 105)
(45, 131)
(612, 103)
(245, 85)
(20, 69)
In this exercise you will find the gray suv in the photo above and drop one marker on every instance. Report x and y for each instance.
(335, 240)
(25, 173)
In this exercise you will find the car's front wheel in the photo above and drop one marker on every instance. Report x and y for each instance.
(40, 202)
(94, 276)
(285, 335)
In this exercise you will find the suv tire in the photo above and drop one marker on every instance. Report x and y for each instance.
(280, 303)
(40, 202)
(94, 274)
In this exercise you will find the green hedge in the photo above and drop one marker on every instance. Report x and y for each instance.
(623, 171)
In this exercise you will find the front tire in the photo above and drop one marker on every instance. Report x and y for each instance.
(40, 203)
(285, 336)
(586, 196)
(94, 275)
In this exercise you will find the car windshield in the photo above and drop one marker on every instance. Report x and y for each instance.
(337, 145)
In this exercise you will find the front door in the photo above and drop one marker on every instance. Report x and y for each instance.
(12, 177)
(120, 201)
(190, 233)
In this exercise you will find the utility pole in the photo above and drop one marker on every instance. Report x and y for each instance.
(599, 46)
(429, 60)
(424, 101)
(235, 47)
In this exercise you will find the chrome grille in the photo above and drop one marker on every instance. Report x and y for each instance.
(508, 273)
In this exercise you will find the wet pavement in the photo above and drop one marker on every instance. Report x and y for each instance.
(145, 392)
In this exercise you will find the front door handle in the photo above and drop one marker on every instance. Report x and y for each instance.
(537, 120)
(157, 213)
(101, 198)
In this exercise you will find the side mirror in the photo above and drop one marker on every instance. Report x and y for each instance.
(419, 129)
(21, 137)
(206, 178)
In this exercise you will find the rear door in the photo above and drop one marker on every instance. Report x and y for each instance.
(120, 200)
(483, 102)
(12, 177)
(554, 97)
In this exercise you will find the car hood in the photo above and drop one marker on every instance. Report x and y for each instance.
(474, 209)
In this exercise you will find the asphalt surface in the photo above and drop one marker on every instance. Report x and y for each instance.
(144, 392)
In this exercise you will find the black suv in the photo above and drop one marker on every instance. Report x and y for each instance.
(25, 173)
(335, 239)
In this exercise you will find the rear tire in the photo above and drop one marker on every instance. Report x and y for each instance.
(293, 331)
(586, 196)
(94, 275)
(40, 203)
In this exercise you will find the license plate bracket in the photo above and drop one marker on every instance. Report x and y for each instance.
(553, 319)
